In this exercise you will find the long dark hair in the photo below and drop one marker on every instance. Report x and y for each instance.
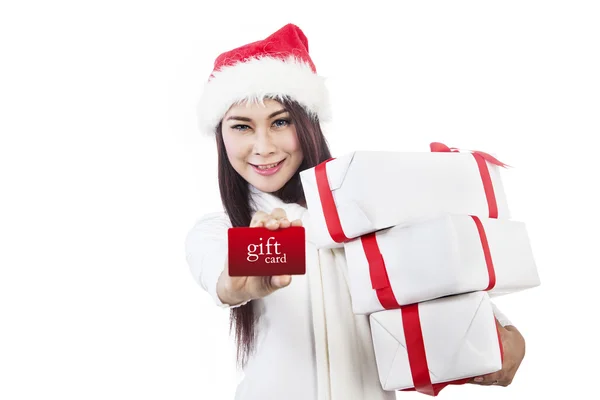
(236, 201)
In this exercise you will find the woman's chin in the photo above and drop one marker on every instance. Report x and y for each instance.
(268, 185)
(267, 188)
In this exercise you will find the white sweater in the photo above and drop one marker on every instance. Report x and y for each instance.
(284, 365)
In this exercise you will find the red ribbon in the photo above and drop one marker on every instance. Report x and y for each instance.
(380, 281)
(332, 218)
(486, 252)
(480, 158)
(415, 346)
(417, 356)
(413, 334)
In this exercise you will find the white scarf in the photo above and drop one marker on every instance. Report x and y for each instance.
(346, 367)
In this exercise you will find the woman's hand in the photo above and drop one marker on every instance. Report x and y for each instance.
(237, 289)
(513, 345)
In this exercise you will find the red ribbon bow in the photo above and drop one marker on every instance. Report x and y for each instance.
(481, 158)
(438, 147)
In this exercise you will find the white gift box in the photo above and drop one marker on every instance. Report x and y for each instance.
(373, 190)
(459, 335)
(441, 257)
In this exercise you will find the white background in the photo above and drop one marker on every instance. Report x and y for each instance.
(103, 172)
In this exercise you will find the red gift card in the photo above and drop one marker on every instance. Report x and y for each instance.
(263, 252)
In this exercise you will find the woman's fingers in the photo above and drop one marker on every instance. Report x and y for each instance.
(272, 224)
(278, 213)
(499, 378)
(273, 221)
(280, 281)
(258, 219)
(276, 219)
(486, 380)
(296, 222)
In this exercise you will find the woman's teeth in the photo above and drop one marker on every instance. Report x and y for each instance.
(267, 166)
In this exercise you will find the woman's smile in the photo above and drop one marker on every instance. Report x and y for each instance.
(267, 169)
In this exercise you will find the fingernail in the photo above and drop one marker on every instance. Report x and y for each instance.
(281, 281)
(479, 379)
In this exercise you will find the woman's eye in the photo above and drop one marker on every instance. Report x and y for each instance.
(281, 122)
(242, 128)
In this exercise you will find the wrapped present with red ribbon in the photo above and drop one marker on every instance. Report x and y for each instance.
(444, 256)
(366, 191)
(430, 345)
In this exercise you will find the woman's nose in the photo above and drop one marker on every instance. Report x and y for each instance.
(263, 144)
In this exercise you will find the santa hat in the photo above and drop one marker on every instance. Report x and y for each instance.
(277, 67)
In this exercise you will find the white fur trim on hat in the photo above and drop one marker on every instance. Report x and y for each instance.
(260, 78)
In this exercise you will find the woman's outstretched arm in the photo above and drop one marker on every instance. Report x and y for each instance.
(206, 252)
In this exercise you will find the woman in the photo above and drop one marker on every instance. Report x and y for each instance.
(297, 339)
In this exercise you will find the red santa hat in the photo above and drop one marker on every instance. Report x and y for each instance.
(277, 67)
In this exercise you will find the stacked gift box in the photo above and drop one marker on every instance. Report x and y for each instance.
(428, 240)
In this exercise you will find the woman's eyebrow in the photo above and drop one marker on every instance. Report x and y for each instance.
(278, 112)
(250, 120)
(239, 118)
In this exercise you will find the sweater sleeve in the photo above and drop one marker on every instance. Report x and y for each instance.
(504, 321)
(206, 253)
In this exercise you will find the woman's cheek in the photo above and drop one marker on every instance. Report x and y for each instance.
(234, 148)
(292, 143)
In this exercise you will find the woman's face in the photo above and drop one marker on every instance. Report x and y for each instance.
(261, 144)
